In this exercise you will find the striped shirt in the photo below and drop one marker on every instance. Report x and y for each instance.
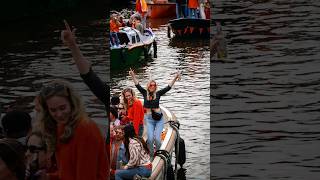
(138, 156)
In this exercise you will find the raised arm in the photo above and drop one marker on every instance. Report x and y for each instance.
(132, 74)
(68, 38)
(176, 77)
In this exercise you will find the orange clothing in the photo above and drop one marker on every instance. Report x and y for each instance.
(136, 114)
(193, 4)
(84, 156)
(114, 27)
(141, 7)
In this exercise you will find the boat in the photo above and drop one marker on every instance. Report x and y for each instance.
(161, 9)
(189, 27)
(170, 136)
(134, 48)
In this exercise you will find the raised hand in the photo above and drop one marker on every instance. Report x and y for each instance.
(178, 76)
(68, 35)
(131, 72)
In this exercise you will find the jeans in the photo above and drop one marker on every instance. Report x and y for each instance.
(114, 39)
(129, 173)
(193, 13)
(181, 10)
(154, 130)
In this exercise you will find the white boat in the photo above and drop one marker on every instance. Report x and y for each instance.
(168, 144)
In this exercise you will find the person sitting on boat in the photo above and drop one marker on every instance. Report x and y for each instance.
(142, 9)
(114, 29)
(122, 114)
(136, 23)
(75, 139)
(193, 5)
(114, 121)
(153, 117)
(134, 109)
(117, 151)
(39, 160)
(137, 152)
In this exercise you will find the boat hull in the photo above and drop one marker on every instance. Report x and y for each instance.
(168, 144)
(125, 57)
(188, 27)
(161, 10)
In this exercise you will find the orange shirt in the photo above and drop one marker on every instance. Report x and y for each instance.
(114, 27)
(136, 114)
(84, 156)
(193, 4)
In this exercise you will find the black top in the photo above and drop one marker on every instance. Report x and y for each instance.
(100, 90)
(152, 103)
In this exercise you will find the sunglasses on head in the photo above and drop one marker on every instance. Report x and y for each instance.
(52, 87)
(35, 149)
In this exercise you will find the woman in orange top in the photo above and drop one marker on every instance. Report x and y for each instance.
(193, 5)
(79, 147)
(135, 110)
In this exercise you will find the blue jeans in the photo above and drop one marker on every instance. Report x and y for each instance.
(181, 10)
(193, 13)
(129, 173)
(154, 130)
(114, 39)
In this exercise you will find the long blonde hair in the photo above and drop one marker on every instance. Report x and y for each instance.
(125, 102)
(154, 94)
(48, 125)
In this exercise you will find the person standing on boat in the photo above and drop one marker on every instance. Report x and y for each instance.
(135, 111)
(76, 140)
(153, 116)
(114, 29)
(138, 154)
(181, 8)
(193, 5)
(142, 9)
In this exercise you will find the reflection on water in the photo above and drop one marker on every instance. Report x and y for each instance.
(27, 64)
(266, 93)
(188, 99)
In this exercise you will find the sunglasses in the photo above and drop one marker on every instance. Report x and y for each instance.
(53, 87)
(34, 149)
(152, 85)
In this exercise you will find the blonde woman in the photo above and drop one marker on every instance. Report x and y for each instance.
(135, 111)
(153, 116)
(76, 140)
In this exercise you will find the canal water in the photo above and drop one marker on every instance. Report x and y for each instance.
(33, 56)
(188, 99)
(265, 96)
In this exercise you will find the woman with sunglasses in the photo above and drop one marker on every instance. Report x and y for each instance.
(137, 153)
(75, 139)
(151, 104)
(39, 160)
(135, 111)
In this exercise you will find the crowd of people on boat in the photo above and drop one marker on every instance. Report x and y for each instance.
(59, 140)
(117, 22)
(193, 9)
(136, 128)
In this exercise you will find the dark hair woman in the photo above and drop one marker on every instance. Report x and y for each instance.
(151, 104)
(138, 154)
